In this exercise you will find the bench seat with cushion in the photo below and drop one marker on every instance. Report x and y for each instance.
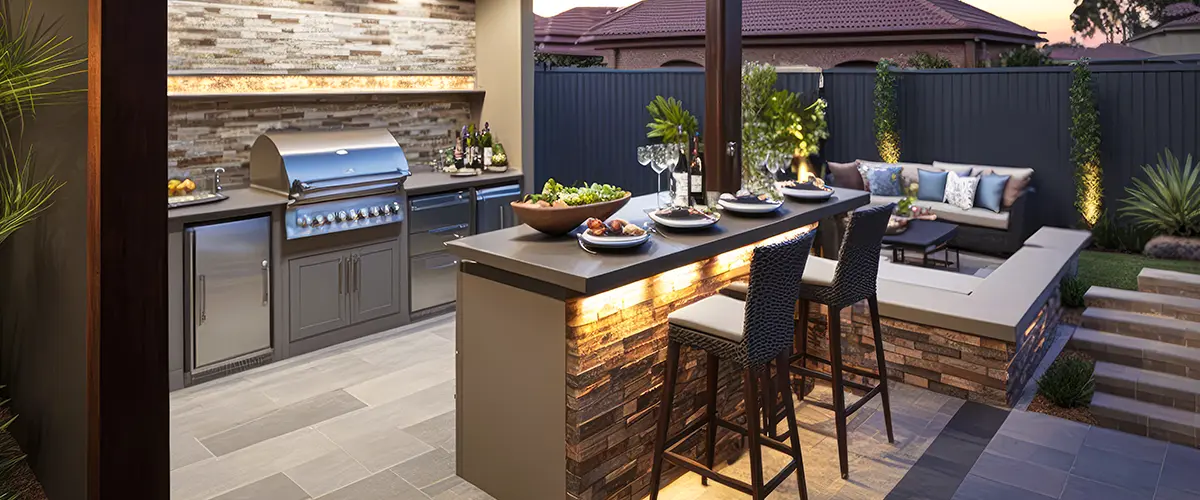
(980, 229)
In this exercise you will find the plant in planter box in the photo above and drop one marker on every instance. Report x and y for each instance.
(775, 120)
(1068, 382)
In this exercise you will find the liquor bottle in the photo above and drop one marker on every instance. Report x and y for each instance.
(476, 149)
(460, 148)
(697, 174)
(485, 141)
(680, 174)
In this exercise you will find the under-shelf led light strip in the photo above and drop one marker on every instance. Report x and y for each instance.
(203, 85)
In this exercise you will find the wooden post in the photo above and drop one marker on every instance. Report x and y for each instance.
(723, 95)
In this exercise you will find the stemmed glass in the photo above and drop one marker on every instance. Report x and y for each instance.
(647, 156)
(661, 160)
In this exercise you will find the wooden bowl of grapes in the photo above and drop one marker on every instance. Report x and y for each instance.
(560, 218)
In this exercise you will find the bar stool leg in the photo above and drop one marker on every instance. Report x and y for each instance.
(750, 388)
(877, 332)
(794, 430)
(768, 399)
(839, 397)
(664, 418)
(800, 340)
(710, 445)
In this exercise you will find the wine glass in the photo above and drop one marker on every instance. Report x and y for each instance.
(647, 156)
(663, 159)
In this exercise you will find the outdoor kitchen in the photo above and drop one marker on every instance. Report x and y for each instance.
(319, 159)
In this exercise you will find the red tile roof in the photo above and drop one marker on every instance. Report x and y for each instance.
(1102, 52)
(1181, 9)
(570, 23)
(685, 18)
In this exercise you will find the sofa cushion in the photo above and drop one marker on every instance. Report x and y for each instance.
(990, 192)
(1019, 178)
(846, 175)
(884, 181)
(718, 315)
(961, 169)
(977, 216)
(960, 191)
(910, 172)
(932, 185)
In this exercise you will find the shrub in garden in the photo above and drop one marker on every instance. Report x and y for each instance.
(1068, 383)
(925, 60)
(1113, 234)
(1072, 289)
(1173, 248)
(1168, 201)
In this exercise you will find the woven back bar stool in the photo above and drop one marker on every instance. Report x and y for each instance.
(854, 280)
(750, 335)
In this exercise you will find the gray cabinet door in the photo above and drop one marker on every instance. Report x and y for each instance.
(318, 294)
(375, 283)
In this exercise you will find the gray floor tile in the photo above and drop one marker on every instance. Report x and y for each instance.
(437, 431)
(327, 473)
(276, 487)
(1025, 451)
(341, 371)
(426, 469)
(463, 491)
(282, 421)
(444, 485)
(382, 486)
(1079, 488)
(979, 488)
(417, 376)
(1165, 493)
(1024, 475)
(1117, 469)
(234, 406)
(1051, 432)
(206, 478)
(186, 450)
(1181, 470)
(1141, 448)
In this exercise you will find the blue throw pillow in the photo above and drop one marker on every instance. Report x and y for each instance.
(931, 186)
(885, 181)
(990, 193)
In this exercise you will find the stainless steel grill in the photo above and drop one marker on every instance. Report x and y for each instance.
(336, 180)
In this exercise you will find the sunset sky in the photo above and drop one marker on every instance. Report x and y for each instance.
(1050, 16)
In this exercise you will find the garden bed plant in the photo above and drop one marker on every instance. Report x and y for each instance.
(1066, 389)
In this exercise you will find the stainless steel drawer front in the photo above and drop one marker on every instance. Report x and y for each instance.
(231, 290)
(438, 211)
(433, 280)
(435, 240)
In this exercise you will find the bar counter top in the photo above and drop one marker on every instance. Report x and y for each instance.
(558, 261)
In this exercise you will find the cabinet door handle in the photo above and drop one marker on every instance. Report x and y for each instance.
(357, 274)
(266, 271)
(203, 300)
(502, 226)
(341, 276)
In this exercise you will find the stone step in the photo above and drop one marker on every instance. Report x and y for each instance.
(1171, 306)
(1145, 419)
(1169, 283)
(1148, 386)
(1138, 352)
(1170, 330)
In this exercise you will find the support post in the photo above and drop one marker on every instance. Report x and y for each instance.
(723, 95)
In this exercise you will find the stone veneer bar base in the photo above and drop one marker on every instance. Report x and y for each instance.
(954, 363)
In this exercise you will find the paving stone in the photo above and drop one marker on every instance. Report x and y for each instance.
(426, 469)
(276, 487)
(1181, 470)
(1079, 488)
(1171, 330)
(381, 486)
(1034, 453)
(1051, 432)
(980, 488)
(327, 473)
(1024, 475)
(282, 421)
(1116, 469)
(1126, 444)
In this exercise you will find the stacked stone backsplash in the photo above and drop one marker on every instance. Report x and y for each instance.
(352, 37)
(204, 134)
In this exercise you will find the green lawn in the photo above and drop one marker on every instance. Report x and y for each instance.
(1120, 270)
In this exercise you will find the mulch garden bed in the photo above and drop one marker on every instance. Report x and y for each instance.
(20, 479)
(1081, 414)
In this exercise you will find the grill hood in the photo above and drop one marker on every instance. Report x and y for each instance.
(328, 165)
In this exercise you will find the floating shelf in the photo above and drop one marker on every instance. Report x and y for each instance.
(232, 85)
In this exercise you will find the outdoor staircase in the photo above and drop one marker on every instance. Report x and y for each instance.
(1147, 349)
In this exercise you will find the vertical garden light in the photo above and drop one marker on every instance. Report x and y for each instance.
(1085, 148)
(887, 137)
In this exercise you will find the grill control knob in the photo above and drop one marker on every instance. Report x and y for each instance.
(353, 215)
(319, 221)
(387, 210)
(362, 213)
(375, 211)
(330, 218)
(302, 221)
(396, 207)
(341, 216)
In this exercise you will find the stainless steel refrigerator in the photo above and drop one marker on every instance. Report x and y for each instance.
(229, 290)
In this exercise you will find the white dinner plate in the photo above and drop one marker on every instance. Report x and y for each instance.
(807, 195)
(685, 223)
(613, 241)
(749, 208)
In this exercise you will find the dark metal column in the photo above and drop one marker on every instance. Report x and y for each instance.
(723, 94)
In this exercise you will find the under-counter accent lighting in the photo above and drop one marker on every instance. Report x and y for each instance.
(203, 85)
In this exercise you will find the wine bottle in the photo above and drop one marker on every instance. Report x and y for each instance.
(680, 174)
(486, 142)
(697, 174)
(460, 148)
(476, 150)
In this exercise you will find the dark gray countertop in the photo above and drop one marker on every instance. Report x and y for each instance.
(435, 182)
(240, 202)
(560, 262)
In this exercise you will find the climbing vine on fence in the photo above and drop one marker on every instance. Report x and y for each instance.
(1085, 148)
(887, 135)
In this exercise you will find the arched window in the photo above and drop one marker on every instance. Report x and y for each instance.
(680, 63)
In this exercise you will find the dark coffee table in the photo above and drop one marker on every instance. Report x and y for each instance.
(925, 237)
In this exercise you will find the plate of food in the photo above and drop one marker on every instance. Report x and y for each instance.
(685, 217)
(747, 203)
(616, 233)
(559, 209)
(811, 190)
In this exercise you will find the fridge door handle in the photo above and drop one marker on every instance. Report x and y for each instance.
(203, 295)
(266, 288)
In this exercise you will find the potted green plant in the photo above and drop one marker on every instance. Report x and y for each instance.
(774, 121)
